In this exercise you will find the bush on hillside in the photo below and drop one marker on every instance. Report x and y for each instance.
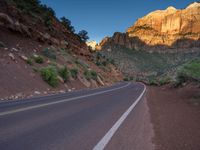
(152, 80)
(74, 72)
(38, 59)
(50, 53)
(189, 72)
(93, 75)
(64, 73)
(101, 60)
(164, 80)
(49, 75)
(128, 78)
(90, 74)
(29, 61)
(81, 63)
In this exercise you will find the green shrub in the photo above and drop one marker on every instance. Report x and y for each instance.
(129, 78)
(126, 79)
(49, 75)
(189, 72)
(49, 53)
(93, 75)
(152, 80)
(81, 63)
(101, 60)
(64, 73)
(38, 59)
(87, 74)
(29, 61)
(112, 61)
(74, 72)
(165, 80)
(90, 74)
(53, 63)
(2, 44)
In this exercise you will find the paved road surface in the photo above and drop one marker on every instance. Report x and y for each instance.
(106, 118)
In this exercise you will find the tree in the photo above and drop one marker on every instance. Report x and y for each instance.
(48, 10)
(83, 35)
(67, 23)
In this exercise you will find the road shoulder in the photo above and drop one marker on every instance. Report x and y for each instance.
(136, 132)
(176, 122)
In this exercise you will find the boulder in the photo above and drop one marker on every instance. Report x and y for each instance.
(93, 83)
(100, 81)
(84, 81)
(61, 79)
(11, 55)
(24, 58)
(6, 21)
(37, 92)
(64, 44)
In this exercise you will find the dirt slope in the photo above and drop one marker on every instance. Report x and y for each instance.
(26, 34)
(175, 117)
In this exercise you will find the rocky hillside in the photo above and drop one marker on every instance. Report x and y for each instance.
(171, 29)
(41, 54)
(38, 23)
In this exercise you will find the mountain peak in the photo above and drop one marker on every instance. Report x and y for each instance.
(171, 8)
(193, 5)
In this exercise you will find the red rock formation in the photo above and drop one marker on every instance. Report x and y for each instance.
(162, 27)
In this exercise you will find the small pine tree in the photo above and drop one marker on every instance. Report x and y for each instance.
(83, 35)
(67, 23)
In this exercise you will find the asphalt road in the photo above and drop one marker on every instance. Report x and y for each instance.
(107, 118)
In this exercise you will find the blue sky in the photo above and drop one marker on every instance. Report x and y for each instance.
(104, 17)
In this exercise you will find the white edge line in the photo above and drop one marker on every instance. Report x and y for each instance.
(61, 101)
(105, 140)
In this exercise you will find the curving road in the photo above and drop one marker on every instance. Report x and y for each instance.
(108, 118)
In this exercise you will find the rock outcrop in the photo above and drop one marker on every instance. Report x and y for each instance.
(170, 28)
(91, 44)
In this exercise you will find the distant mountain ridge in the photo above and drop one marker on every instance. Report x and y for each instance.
(161, 29)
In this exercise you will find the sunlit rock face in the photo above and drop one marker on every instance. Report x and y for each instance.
(167, 26)
(92, 44)
(161, 29)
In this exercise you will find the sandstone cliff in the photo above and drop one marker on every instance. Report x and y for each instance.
(164, 29)
(91, 44)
